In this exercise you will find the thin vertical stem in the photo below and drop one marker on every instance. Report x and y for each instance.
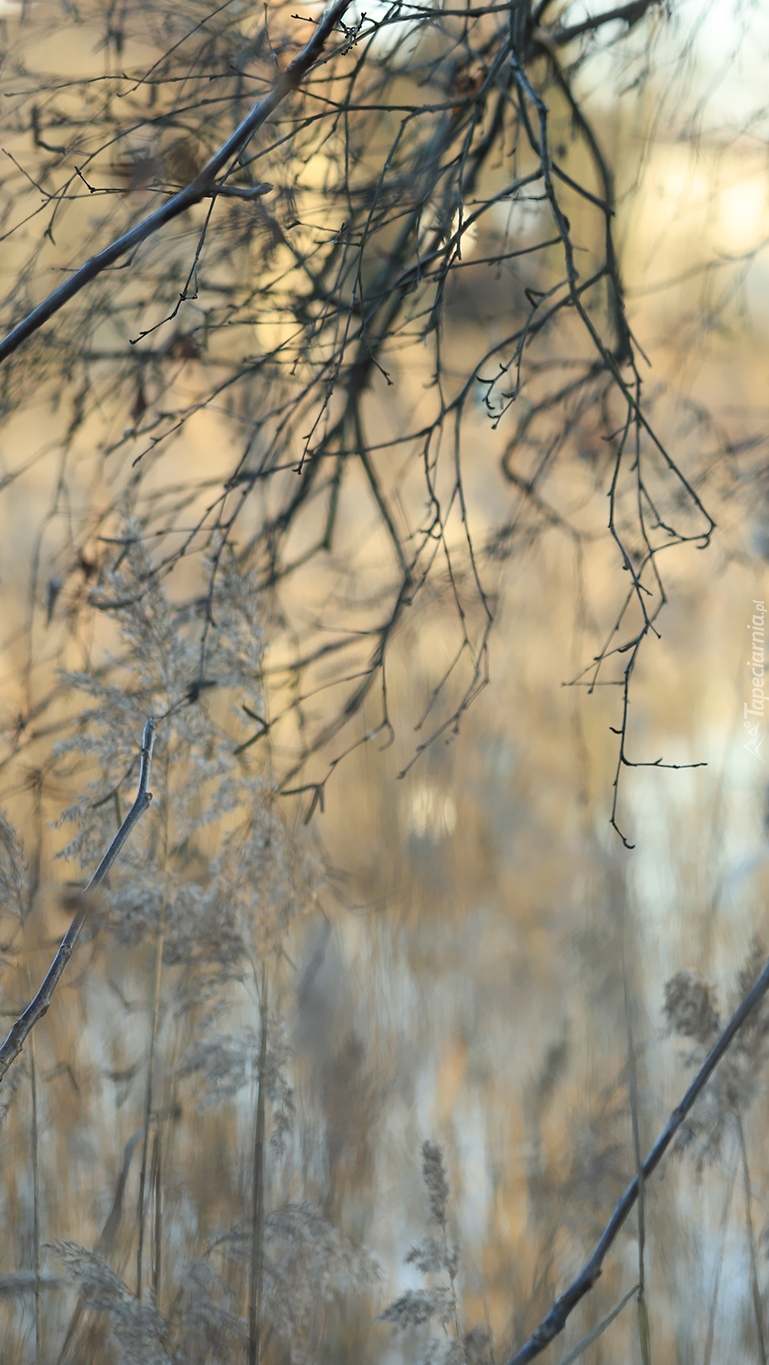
(34, 883)
(159, 939)
(257, 1209)
(157, 1231)
(758, 1307)
(643, 1317)
(36, 1208)
(719, 1264)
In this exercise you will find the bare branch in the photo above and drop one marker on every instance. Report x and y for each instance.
(629, 14)
(556, 1319)
(41, 1002)
(202, 187)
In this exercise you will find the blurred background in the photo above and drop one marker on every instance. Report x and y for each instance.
(313, 479)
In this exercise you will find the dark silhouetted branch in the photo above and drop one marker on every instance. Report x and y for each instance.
(563, 1307)
(202, 187)
(40, 1004)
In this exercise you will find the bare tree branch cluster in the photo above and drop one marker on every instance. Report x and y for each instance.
(422, 169)
(343, 331)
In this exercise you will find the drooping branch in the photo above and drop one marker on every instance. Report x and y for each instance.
(296, 309)
(41, 1002)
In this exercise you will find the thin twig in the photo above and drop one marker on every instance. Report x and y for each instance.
(157, 1228)
(631, 14)
(257, 1205)
(41, 1002)
(148, 1092)
(556, 1319)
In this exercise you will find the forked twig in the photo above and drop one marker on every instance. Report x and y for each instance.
(556, 1319)
(39, 1005)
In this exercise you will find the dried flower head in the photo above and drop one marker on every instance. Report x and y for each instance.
(418, 1307)
(436, 1180)
(213, 854)
(692, 1012)
(205, 1327)
(439, 1259)
(13, 870)
(307, 1262)
(136, 1329)
(691, 1009)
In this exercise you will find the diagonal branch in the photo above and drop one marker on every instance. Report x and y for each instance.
(202, 187)
(556, 1319)
(631, 14)
(39, 1005)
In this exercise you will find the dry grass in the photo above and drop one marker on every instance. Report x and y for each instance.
(358, 1073)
